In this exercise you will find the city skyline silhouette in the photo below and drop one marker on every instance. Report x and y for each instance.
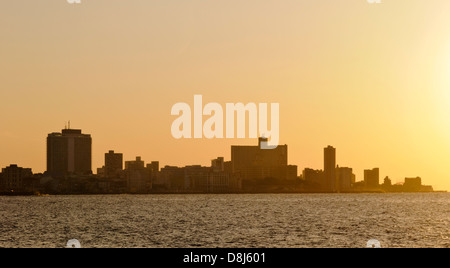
(251, 169)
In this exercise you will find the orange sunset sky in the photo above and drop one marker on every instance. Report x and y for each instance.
(372, 80)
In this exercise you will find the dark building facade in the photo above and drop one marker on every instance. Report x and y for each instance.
(198, 179)
(138, 176)
(13, 178)
(113, 164)
(254, 163)
(372, 178)
(330, 169)
(314, 178)
(153, 167)
(69, 152)
(345, 178)
(412, 184)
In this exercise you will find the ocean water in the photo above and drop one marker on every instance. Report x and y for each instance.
(229, 221)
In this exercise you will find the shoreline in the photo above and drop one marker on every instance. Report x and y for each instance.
(202, 193)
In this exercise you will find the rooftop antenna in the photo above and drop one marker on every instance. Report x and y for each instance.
(69, 124)
(65, 125)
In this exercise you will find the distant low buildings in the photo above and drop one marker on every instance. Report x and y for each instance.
(314, 178)
(16, 179)
(209, 180)
(387, 182)
(198, 179)
(372, 178)
(345, 178)
(138, 176)
(154, 168)
(170, 178)
(218, 164)
(427, 189)
(412, 184)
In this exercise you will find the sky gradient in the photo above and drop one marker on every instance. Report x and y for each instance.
(372, 80)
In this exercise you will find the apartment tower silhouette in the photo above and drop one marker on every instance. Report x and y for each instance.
(330, 169)
(69, 152)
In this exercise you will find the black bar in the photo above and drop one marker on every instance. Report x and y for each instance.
(230, 257)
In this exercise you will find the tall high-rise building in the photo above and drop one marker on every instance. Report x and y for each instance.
(372, 178)
(69, 152)
(330, 169)
(113, 163)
